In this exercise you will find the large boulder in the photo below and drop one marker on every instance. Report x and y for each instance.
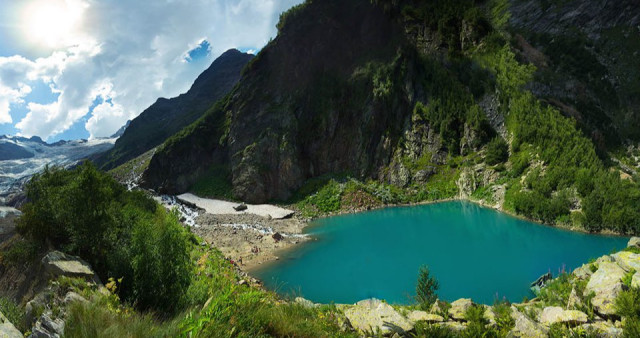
(58, 264)
(423, 316)
(525, 327)
(583, 272)
(7, 329)
(607, 284)
(634, 242)
(554, 314)
(603, 329)
(46, 327)
(459, 308)
(374, 316)
(627, 260)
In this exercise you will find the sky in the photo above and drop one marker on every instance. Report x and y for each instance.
(73, 69)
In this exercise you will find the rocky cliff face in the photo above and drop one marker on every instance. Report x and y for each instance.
(588, 58)
(168, 116)
(355, 88)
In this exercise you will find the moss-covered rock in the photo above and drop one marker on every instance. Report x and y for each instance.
(607, 284)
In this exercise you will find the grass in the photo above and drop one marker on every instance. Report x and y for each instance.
(13, 312)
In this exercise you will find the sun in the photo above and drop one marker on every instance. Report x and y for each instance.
(53, 23)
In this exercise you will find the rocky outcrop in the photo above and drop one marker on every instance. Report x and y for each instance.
(423, 316)
(634, 242)
(7, 329)
(375, 316)
(607, 284)
(58, 264)
(555, 314)
(627, 260)
(459, 309)
(525, 327)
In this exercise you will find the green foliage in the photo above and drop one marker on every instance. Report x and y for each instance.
(503, 318)
(12, 311)
(286, 17)
(99, 318)
(20, 252)
(426, 288)
(627, 305)
(477, 323)
(243, 311)
(123, 234)
(433, 331)
(557, 291)
(497, 151)
(216, 183)
(626, 280)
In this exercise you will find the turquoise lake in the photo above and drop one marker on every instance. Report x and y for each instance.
(474, 252)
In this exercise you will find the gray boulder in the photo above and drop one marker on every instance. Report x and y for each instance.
(7, 329)
(603, 329)
(48, 328)
(627, 260)
(374, 316)
(607, 284)
(459, 308)
(525, 327)
(634, 242)
(423, 316)
(554, 314)
(58, 264)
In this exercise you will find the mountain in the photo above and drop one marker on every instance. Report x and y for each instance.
(418, 101)
(31, 155)
(167, 116)
(120, 131)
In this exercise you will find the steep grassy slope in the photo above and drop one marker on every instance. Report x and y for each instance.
(168, 116)
(408, 94)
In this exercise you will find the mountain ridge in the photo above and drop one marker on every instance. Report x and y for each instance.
(167, 116)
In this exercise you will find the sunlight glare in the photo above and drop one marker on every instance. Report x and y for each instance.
(52, 22)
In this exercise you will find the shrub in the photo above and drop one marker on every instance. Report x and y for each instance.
(426, 288)
(497, 151)
(123, 234)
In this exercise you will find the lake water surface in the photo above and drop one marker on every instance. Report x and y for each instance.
(474, 252)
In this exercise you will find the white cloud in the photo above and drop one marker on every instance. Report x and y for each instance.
(106, 118)
(130, 53)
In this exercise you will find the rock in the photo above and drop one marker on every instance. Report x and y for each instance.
(7, 329)
(459, 308)
(423, 316)
(58, 264)
(305, 302)
(277, 237)
(574, 301)
(421, 176)
(627, 260)
(375, 316)
(635, 281)
(48, 328)
(634, 242)
(436, 308)
(72, 297)
(525, 327)
(603, 329)
(583, 272)
(490, 315)
(454, 326)
(242, 282)
(606, 283)
(555, 314)
(604, 259)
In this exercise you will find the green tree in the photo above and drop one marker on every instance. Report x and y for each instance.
(497, 151)
(426, 288)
